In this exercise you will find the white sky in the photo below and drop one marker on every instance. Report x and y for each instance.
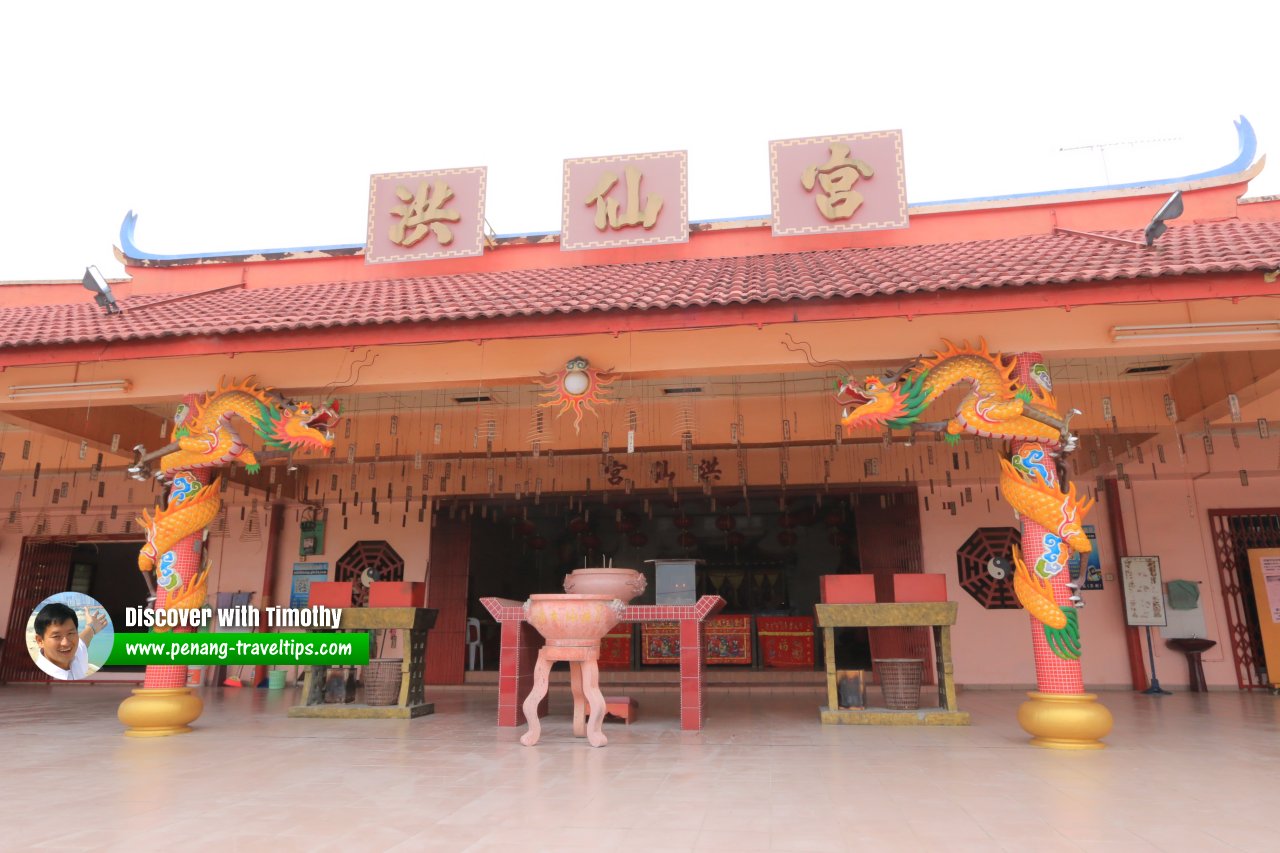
(232, 125)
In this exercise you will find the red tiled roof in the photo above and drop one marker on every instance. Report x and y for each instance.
(1199, 248)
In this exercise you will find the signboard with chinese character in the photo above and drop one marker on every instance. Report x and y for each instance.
(1143, 591)
(824, 184)
(417, 216)
(1264, 567)
(627, 200)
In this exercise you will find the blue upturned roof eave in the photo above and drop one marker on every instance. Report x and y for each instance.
(1247, 138)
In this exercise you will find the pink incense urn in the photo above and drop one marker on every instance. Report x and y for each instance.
(573, 620)
(622, 584)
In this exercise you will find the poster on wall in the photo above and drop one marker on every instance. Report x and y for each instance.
(303, 575)
(1143, 591)
(1092, 566)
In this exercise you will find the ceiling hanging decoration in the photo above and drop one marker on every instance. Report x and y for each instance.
(579, 387)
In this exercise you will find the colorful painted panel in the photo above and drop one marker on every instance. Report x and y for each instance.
(417, 216)
(615, 648)
(786, 642)
(824, 184)
(625, 200)
(727, 641)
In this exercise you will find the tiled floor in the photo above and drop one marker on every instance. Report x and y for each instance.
(1184, 772)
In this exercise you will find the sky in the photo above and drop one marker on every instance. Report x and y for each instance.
(236, 126)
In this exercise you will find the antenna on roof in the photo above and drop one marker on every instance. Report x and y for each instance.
(1172, 209)
(97, 285)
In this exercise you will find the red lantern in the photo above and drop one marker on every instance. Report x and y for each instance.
(638, 539)
(726, 522)
(806, 516)
(591, 541)
(787, 538)
(833, 519)
(683, 522)
(735, 539)
(537, 543)
(787, 521)
(627, 524)
(687, 539)
(527, 528)
(578, 525)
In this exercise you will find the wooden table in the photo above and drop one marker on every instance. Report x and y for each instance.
(417, 621)
(939, 616)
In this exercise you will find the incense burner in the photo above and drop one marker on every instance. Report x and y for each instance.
(622, 584)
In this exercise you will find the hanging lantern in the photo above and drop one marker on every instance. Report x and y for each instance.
(735, 539)
(787, 538)
(833, 518)
(537, 543)
(687, 539)
(787, 521)
(725, 522)
(591, 541)
(628, 523)
(578, 525)
(683, 522)
(527, 528)
(638, 539)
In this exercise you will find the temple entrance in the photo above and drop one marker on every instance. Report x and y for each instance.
(764, 554)
(104, 567)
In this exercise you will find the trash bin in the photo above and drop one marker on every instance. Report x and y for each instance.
(900, 679)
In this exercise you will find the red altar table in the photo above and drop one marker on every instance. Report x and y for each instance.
(786, 642)
(520, 644)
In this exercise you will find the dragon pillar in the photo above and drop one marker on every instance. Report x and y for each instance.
(204, 438)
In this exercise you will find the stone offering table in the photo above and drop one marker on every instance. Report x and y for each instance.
(520, 644)
(939, 616)
(417, 621)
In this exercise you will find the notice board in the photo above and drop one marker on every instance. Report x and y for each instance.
(1264, 565)
(1143, 591)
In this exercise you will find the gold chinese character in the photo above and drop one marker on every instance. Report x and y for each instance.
(836, 178)
(607, 214)
(423, 214)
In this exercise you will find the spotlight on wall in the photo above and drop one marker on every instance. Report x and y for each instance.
(1172, 209)
(97, 285)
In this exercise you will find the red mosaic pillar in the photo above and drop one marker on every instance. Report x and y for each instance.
(1053, 674)
(185, 563)
(691, 662)
(519, 653)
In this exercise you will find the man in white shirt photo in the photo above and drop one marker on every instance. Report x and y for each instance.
(63, 647)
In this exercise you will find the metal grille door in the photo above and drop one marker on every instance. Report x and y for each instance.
(43, 569)
(1235, 531)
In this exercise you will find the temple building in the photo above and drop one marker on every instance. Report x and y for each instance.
(638, 387)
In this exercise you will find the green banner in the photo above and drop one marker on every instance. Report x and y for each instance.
(240, 649)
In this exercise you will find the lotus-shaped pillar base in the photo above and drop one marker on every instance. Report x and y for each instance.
(1065, 720)
(159, 711)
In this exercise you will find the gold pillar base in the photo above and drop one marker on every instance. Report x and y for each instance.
(1065, 720)
(159, 711)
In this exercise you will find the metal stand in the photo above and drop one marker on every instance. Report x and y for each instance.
(1154, 689)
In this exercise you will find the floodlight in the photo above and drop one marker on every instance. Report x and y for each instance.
(97, 285)
(1172, 209)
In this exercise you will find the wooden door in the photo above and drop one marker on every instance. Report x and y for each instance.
(447, 593)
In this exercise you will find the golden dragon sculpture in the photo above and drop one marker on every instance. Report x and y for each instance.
(997, 405)
(206, 436)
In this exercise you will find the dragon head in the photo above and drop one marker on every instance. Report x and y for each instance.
(870, 403)
(300, 425)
